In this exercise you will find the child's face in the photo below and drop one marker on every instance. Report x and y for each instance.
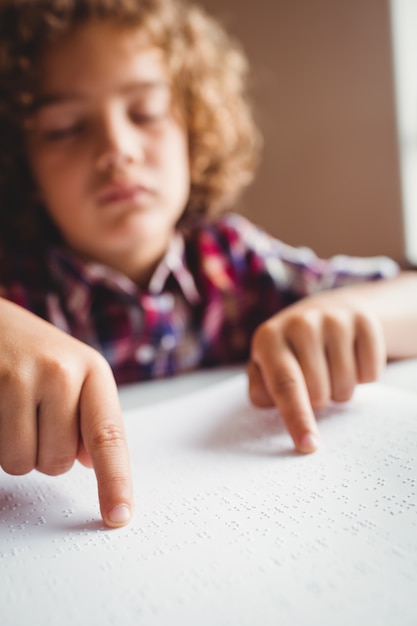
(108, 151)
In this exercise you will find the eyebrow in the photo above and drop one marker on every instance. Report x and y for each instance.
(69, 97)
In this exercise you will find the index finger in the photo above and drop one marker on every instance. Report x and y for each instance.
(285, 383)
(104, 438)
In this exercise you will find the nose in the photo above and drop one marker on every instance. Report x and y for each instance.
(118, 145)
(109, 161)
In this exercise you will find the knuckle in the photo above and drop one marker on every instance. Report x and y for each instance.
(367, 325)
(302, 327)
(108, 436)
(16, 379)
(336, 323)
(262, 334)
(285, 383)
(304, 321)
(364, 319)
(60, 371)
(96, 360)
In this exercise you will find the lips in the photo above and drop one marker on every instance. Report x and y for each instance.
(116, 193)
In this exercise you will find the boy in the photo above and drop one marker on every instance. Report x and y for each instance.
(126, 133)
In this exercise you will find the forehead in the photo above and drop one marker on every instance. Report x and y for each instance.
(97, 56)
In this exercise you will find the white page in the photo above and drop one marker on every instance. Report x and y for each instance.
(232, 527)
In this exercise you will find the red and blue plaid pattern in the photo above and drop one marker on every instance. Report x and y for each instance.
(215, 285)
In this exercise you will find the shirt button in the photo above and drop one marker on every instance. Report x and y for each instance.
(168, 342)
(166, 302)
(145, 354)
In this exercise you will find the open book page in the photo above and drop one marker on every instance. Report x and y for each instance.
(232, 527)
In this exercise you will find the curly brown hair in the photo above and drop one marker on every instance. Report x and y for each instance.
(209, 72)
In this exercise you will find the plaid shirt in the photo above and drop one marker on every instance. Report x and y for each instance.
(214, 286)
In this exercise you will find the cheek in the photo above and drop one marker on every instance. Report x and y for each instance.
(56, 175)
(176, 163)
(169, 146)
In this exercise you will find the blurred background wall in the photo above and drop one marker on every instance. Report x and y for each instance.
(324, 88)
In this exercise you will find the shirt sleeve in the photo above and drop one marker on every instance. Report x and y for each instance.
(298, 271)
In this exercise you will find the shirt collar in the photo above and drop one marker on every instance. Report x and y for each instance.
(78, 277)
(174, 264)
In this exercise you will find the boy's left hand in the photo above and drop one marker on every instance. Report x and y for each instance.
(312, 352)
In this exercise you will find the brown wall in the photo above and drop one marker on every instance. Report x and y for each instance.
(324, 88)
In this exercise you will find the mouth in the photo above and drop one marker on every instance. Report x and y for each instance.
(121, 193)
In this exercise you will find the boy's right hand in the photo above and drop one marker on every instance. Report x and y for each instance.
(59, 403)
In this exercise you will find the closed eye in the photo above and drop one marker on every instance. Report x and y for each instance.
(147, 118)
(67, 132)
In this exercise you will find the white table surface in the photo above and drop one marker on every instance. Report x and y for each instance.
(232, 528)
(400, 374)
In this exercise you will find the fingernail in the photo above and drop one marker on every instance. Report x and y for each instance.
(120, 514)
(309, 442)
